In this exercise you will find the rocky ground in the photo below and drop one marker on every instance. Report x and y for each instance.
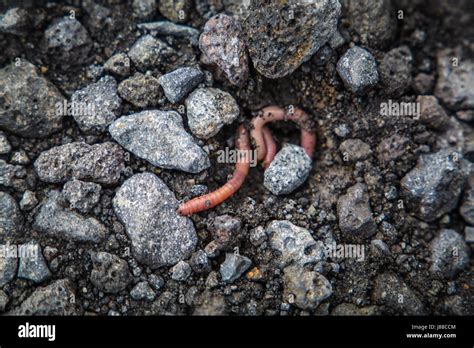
(93, 193)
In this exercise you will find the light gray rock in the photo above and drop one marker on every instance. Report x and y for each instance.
(29, 101)
(293, 244)
(58, 298)
(234, 266)
(82, 195)
(15, 21)
(469, 234)
(8, 263)
(142, 291)
(181, 271)
(358, 69)
(32, 264)
(305, 289)
(147, 208)
(5, 146)
(288, 171)
(208, 110)
(54, 219)
(167, 28)
(160, 138)
(101, 163)
(354, 150)
(28, 201)
(157, 282)
(11, 220)
(433, 187)
(178, 83)
(103, 103)
(147, 52)
(449, 253)
(12, 176)
(110, 273)
(144, 9)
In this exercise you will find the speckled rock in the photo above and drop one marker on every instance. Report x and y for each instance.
(433, 187)
(167, 28)
(8, 263)
(140, 90)
(288, 171)
(102, 99)
(200, 262)
(67, 42)
(11, 220)
(455, 85)
(110, 273)
(175, 10)
(15, 21)
(181, 271)
(208, 110)
(160, 138)
(293, 244)
(467, 207)
(158, 234)
(449, 253)
(222, 43)
(54, 219)
(5, 146)
(58, 298)
(282, 35)
(144, 9)
(354, 150)
(354, 212)
(101, 163)
(392, 147)
(305, 289)
(81, 195)
(29, 101)
(147, 52)
(118, 64)
(142, 291)
(178, 83)
(234, 266)
(374, 21)
(395, 71)
(32, 264)
(28, 201)
(358, 69)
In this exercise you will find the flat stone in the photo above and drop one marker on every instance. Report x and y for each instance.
(178, 83)
(234, 266)
(32, 264)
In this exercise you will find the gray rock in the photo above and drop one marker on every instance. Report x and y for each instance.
(32, 264)
(392, 147)
(395, 70)
(158, 234)
(222, 43)
(288, 171)
(147, 52)
(29, 101)
(144, 9)
(175, 10)
(449, 253)
(157, 282)
(257, 236)
(358, 69)
(3, 301)
(15, 21)
(433, 187)
(391, 291)
(110, 273)
(225, 231)
(281, 36)
(294, 245)
(178, 83)
(469, 234)
(58, 298)
(465, 115)
(306, 289)
(166, 28)
(118, 64)
(431, 113)
(233, 267)
(28, 201)
(5, 146)
(200, 262)
(11, 176)
(423, 83)
(354, 150)
(140, 90)
(102, 99)
(354, 212)
(54, 219)
(467, 207)
(67, 42)
(181, 271)
(82, 195)
(375, 21)
(160, 138)
(455, 85)
(20, 157)
(11, 220)
(8, 263)
(337, 40)
(208, 109)
(142, 291)
(100, 163)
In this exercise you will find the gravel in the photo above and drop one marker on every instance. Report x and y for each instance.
(141, 90)
(200, 263)
(29, 101)
(15, 21)
(5, 146)
(82, 195)
(288, 171)
(354, 150)
(101, 163)
(160, 138)
(181, 271)
(431, 113)
(118, 64)
(396, 71)
(222, 44)
(234, 266)
(147, 52)
(103, 99)
(28, 201)
(11, 219)
(358, 70)
(208, 110)
(110, 273)
(449, 253)
(178, 83)
(158, 234)
(278, 43)
(142, 291)
(32, 265)
(175, 10)
(433, 187)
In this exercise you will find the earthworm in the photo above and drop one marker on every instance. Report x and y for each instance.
(218, 196)
(270, 146)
